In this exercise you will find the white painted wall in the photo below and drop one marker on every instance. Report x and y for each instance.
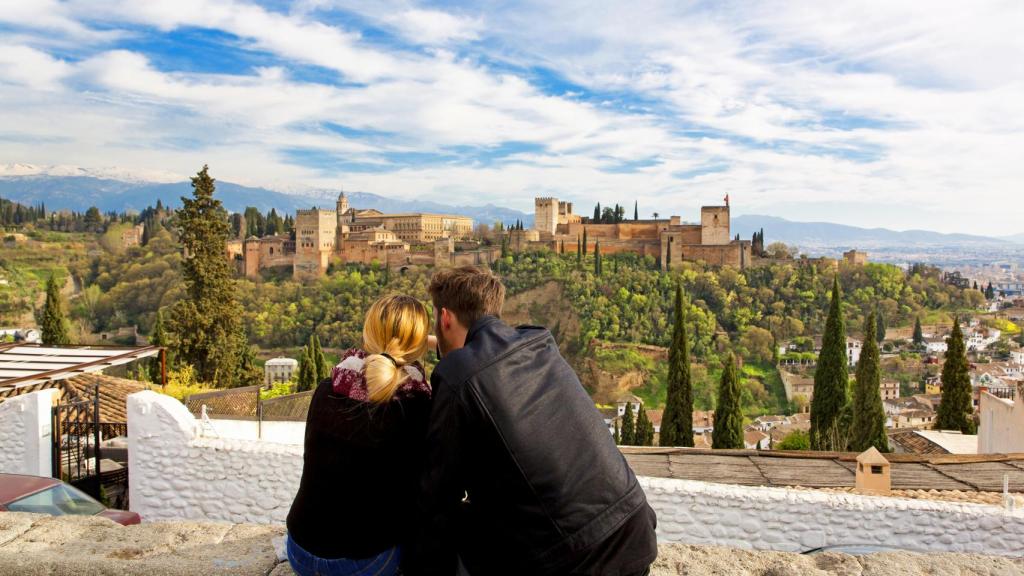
(796, 520)
(1002, 425)
(25, 433)
(282, 432)
(174, 472)
(177, 473)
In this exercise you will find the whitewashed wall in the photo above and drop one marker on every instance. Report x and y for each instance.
(25, 433)
(176, 473)
(281, 432)
(796, 520)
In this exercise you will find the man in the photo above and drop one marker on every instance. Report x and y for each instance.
(522, 476)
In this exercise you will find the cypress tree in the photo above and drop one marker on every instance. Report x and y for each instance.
(868, 427)
(918, 332)
(54, 325)
(636, 210)
(616, 435)
(579, 252)
(307, 372)
(879, 327)
(321, 369)
(584, 241)
(728, 432)
(597, 212)
(597, 258)
(207, 321)
(628, 430)
(831, 380)
(677, 420)
(644, 434)
(159, 338)
(956, 408)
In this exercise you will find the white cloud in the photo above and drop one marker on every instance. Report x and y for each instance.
(435, 27)
(32, 68)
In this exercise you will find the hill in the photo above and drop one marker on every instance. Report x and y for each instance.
(826, 234)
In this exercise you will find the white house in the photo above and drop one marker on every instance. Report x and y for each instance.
(279, 369)
(1002, 425)
(936, 346)
(853, 351)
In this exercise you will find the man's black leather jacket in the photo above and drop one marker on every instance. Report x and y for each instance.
(522, 473)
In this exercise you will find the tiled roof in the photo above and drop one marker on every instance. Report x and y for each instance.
(910, 442)
(113, 392)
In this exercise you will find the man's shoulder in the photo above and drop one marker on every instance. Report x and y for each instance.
(489, 346)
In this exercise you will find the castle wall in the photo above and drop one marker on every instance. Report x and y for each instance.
(714, 223)
(251, 264)
(674, 253)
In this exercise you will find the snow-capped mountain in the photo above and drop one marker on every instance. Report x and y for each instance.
(103, 173)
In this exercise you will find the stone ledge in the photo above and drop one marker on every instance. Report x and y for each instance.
(33, 544)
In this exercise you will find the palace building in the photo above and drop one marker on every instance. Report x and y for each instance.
(670, 241)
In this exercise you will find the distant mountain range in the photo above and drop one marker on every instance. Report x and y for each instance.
(825, 234)
(117, 189)
(112, 189)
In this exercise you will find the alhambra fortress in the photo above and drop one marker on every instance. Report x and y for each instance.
(348, 234)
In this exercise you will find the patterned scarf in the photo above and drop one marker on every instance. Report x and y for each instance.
(348, 378)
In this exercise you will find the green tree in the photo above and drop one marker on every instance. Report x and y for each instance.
(868, 428)
(597, 258)
(728, 432)
(831, 380)
(159, 338)
(795, 440)
(644, 434)
(677, 420)
(636, 210)
(918, 332)
(208, 321)
(54, 324)
(306, 379)
(879, 327)
(323, 370)
(628, 430)
(579, 252)
(248, 372)
(617, 436)
(584, 241)
(956, 408)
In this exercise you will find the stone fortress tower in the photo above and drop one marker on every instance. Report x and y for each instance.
(316, 234)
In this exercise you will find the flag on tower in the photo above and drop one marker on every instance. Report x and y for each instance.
(726, 199)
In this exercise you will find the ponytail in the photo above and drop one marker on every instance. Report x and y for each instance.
(394, 335)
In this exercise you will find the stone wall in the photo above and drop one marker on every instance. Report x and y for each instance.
(26, 433)
(794, 520)
(1002, 425)
(176, 473)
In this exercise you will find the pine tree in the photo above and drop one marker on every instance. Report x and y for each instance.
(628, 427)
(728, 432)
(636, 210)
(831, 380)
(868, 427)
(956, 408)
(159, 338)
(207, 321)
(918, 332)
(677, 420)
(597, 258)
(322, 370)
(879, 327)
(54, 325)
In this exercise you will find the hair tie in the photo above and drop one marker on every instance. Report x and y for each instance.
(389, 357)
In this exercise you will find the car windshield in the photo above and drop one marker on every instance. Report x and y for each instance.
(58, 500)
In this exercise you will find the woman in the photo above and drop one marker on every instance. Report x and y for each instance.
(364, 435)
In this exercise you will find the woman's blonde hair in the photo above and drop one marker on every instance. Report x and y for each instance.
(394, 335)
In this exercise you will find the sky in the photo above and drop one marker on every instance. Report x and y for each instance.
(906, 115)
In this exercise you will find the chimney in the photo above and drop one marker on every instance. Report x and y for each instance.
(873, 473)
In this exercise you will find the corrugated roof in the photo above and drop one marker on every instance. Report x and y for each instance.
(28, 364)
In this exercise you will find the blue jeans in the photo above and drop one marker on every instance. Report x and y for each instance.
(306, 564)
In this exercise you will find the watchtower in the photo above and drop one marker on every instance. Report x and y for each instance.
(546, 215)
(714, 225)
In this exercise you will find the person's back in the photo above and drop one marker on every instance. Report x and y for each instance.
(512, 428)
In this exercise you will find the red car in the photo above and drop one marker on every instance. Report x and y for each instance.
(20, 493)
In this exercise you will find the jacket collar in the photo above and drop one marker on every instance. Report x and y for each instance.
(479, 325)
